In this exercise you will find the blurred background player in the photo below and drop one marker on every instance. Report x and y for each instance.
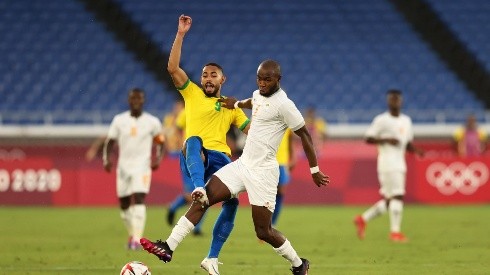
(392, 132)
(470, 140)
(173, 129)
(135, 132)
(317, 126)
(287, 161)
(207, 122)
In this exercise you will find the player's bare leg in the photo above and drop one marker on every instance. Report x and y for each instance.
(216, 192)
(262, 219)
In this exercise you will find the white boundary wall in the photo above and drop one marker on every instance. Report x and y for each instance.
(93, 131)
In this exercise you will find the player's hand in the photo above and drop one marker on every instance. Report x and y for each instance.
(228, 102)
(185, 23)
(108, 166)
(320, 179)
(155, 164)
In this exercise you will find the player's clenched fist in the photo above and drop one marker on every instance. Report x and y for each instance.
(185, 23)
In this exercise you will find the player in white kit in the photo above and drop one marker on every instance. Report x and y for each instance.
(256, 171)
(135, 132)
(392, 132)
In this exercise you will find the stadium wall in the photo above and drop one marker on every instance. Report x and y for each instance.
(59, 175)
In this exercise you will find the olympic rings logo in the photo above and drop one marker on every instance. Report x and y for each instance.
(457, 177)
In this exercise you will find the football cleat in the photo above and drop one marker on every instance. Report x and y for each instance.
(158, 248)
(302, 269)
(361, 226)
(398, 237)
(199, 195)
(210, 265)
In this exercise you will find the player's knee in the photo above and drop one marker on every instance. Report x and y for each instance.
(124, 202)
(139, 198)
(262, 233)
(193, 143)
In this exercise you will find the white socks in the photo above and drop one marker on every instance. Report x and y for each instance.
(181, 229)
(287, 251)
(376, 210)
(126, 216)
(139, 220)
(396, 210)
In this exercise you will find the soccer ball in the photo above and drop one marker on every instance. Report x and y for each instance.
(135, 268)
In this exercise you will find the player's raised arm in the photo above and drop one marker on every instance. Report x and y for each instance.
(318, 177)
(178, 75)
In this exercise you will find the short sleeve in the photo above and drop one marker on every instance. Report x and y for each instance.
(410, 130)
(374, 128)
(156, 127)
(113, 129)
(458, 134)
(240, 119)
(292, 116)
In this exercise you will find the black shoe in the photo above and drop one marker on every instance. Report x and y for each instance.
(170, 217)
(303, 268)
(158, 248)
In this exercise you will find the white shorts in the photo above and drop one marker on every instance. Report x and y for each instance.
(392, 183)
(260, 184)
(133, 181)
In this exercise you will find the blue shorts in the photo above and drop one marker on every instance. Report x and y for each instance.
(215, 160)
(283, 175)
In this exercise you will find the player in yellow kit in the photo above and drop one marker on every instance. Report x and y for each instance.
(205, 149)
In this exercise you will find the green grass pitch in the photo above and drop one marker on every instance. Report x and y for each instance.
(443, 240)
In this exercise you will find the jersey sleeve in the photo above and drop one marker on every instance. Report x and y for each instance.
(156, 126)
(374, 128)
(187, 89)
(240, 119)
(482, 134)
(458, 134)
(292, 116)
(113, 129)
(410, 130)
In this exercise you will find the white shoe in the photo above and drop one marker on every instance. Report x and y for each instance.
(210, 265)
(199, 194)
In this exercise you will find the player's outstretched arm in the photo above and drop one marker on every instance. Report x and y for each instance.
(178, 75)
(319, 178)
(233, 103)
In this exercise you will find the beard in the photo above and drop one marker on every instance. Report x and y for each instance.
(214, 93)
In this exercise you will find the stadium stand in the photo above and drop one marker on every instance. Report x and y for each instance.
(340, 56)
(469, 20)
(63, 66)
(60, 66)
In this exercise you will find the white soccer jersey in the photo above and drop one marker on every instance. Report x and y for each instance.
(391, 157)
(271, 116)
(134, 137)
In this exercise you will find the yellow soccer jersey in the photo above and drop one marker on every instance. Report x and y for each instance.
(204, 117)
(283, 150)
(458, 135)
